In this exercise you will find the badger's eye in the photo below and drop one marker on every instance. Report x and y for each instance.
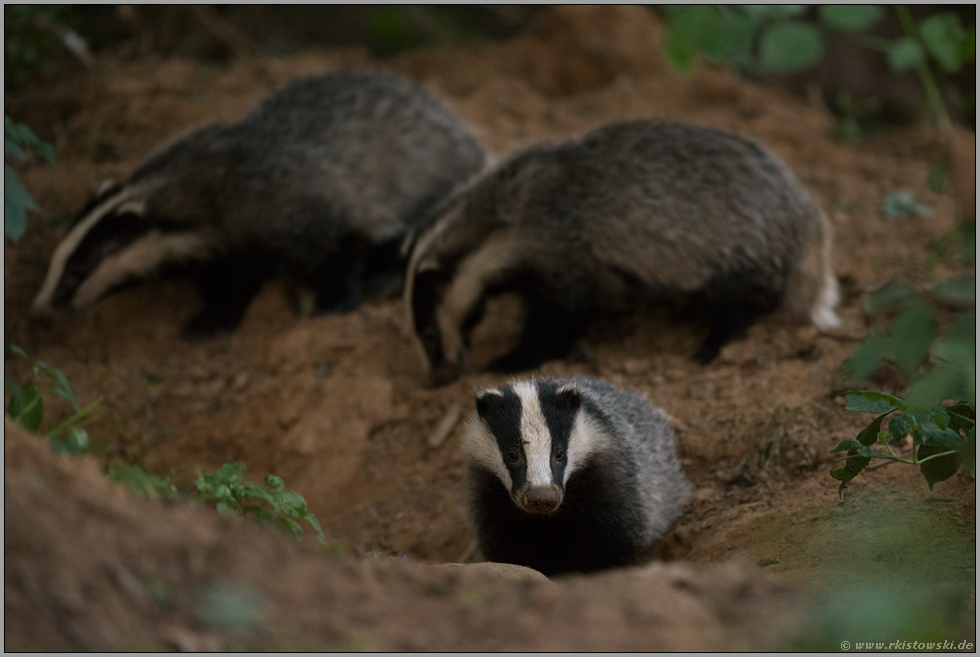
(559, 455)
(513, 456)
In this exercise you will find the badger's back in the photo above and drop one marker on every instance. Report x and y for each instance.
(670, 208)
(353, 151)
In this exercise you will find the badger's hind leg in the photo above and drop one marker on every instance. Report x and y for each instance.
(727, 324)
(227, 286)
(812, 292)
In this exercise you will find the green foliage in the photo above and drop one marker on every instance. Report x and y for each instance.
(395, 28)
(26, 406)
(270, 505)
(17, 201)
(943, 437)
(34, 36)
(145, 485)
(902, 205)
(775, 38)
(941, 366)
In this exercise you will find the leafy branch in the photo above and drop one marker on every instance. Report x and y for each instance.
(943, 437)
(17, 201)
(270, 505)
(26, 406)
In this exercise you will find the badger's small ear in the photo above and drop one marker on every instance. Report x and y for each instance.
(487, 399)
(567, 398)
(106, 186)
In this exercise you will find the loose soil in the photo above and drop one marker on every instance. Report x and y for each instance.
(336, 405)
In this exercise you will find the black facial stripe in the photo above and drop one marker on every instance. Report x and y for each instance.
(95, 202)
(110, 235)
(502, 414)
(559, 410)
(428, 289)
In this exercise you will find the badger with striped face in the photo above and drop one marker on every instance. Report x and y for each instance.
(570, 475)
(631, 215)
(320, 182)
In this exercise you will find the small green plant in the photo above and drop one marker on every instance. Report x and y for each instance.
(773, 39)
(270, 505)
(943, 437)
(17, 201)
(143, 484)
(26, 406)
(941, 367)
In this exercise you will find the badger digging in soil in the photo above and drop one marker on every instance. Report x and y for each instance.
(320, 181)
(570, 475)
(632, 213)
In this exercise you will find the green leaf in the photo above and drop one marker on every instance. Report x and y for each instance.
(851, 18)
(771, 11)
(869, 435)
(889, 295)
(226, 510)
(969, 45)
(962, 416)
(789, 46)
(898, 427)
(145, 485)
(76, 442)
(868, 357)
(312, 519)
(944, 37)
(11, 148)
(937, 469)
(905, 54)
(911, 334)
(962, 290)
(16, 202)
(858, 455)
(872, 401)
(735, 40)
(691, 31)
(61, 386)
(27, 407)
(902, 205)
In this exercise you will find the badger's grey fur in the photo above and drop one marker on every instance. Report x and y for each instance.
(631, 213)
(570, 474)
(321, 179)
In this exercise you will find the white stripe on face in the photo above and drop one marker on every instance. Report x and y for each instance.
(588, 437)
(68, 245)
(480, 447)
(535, 435)
(140, 258)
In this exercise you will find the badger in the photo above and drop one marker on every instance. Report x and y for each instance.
(320, 181)
(570, 475)
(630, 214)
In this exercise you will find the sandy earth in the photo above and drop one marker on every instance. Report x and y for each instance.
(335, 404)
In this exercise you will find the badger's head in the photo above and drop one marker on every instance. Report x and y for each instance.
(115, 240)
(454, 264)
(533, 436)
(429, 276)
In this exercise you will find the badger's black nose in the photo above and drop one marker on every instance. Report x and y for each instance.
(541, 499)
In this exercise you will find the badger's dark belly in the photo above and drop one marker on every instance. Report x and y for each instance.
(597, 526)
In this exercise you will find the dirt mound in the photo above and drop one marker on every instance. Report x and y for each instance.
(89, 566)
(335, 404)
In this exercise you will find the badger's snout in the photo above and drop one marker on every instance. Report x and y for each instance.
(541, 499)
